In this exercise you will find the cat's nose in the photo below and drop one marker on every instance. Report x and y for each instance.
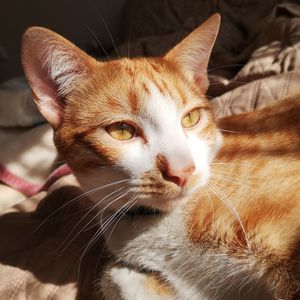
(179, 176)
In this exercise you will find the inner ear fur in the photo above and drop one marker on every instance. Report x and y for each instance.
(53, 66)
(193, 52)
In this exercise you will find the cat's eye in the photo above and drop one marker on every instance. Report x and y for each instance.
(121, 131)
(191, 118)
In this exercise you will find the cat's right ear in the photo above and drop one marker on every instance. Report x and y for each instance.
(192, 54)
(53, 67)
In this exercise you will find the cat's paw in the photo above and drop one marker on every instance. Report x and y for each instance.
(121, 283)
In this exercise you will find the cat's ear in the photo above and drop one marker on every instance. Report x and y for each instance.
(52, 66)
(193, 52)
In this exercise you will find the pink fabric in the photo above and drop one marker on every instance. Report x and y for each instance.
(29, 188)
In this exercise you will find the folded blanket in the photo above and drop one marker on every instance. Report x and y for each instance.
(38, 258)
(30, 154)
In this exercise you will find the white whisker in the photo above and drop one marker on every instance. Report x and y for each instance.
(107, 29)
(94, 206)
(98, 234)
(212, 208)
(231, 207)
(131, 203)
(231, 131)
(80, 196)
(98, 41)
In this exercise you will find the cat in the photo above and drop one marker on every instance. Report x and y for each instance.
(199, 214)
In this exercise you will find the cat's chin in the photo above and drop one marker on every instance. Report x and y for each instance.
(167, 203)
(163, 205)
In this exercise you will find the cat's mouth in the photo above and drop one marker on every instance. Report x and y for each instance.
(163, 194)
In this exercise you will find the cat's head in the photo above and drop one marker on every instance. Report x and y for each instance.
(144, 122)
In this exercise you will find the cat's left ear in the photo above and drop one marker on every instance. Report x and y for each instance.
(193, 52)
(54, 67)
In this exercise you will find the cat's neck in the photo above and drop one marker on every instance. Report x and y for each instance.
(138, 222)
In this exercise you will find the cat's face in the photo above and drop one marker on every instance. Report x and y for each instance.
(143, 122)
(148, 123)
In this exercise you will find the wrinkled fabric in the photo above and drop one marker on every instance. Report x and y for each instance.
(44, 250)
(17, 107)
(255, 60)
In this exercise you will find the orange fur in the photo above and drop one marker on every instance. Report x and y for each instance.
(158, 287)
(258, 171)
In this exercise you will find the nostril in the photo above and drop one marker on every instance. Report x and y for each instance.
(175, 179)
(179, 177)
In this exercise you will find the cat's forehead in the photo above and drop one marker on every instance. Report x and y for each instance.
(131, 89)
(130, 83)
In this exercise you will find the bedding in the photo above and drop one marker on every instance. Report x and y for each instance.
(256, 62)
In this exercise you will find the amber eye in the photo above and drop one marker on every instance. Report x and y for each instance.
(121, 131)
(191, 118)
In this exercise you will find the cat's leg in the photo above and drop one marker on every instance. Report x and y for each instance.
(121, 283)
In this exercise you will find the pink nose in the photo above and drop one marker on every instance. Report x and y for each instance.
(179, 177)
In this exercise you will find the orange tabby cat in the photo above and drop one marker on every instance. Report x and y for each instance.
(139, 134)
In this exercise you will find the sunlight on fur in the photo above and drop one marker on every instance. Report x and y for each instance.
(220, 213)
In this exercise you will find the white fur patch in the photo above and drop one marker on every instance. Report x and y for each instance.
(132, 285)
(162, 128)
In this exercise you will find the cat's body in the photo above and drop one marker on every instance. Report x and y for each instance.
(237, 238)
(228, 228)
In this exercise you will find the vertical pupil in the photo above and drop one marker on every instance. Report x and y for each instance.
(122, 128)
(190, 117)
